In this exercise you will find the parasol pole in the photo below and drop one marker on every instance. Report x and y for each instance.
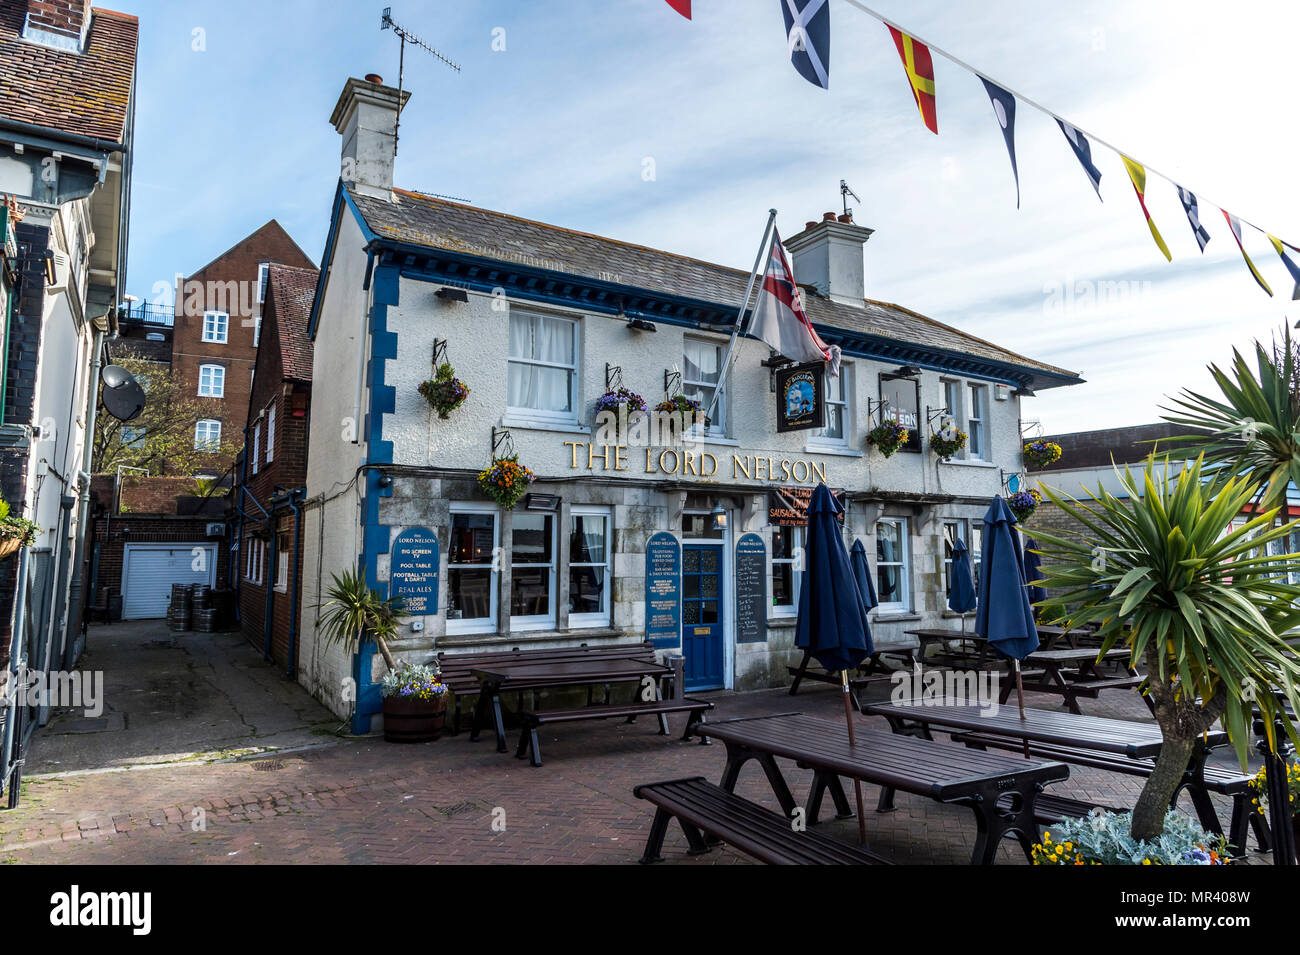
(857, 783)
(1020, 699)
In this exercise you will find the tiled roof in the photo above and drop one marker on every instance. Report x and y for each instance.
(87, 93)
(437, 223)
(290, 292)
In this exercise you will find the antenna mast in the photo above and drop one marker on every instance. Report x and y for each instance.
(387, 23)
(845, 192)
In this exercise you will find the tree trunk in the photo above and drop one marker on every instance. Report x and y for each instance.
(384, 652)
(1153, 804)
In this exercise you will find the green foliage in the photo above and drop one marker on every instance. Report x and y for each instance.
(1105, 838)
(1196, 601)
(354, 611)
(14, 527)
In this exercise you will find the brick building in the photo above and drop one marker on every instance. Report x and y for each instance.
(271, 470)
(215, 337)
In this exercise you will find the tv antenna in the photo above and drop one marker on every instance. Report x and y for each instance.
(387, 23)
(845, 192)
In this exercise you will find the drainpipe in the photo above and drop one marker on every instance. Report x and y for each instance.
(77, 602)
(11, 771)
(269, 580)
(295, 502)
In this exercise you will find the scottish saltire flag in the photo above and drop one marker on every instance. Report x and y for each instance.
(1290, 266)
(681, 6)
(1083, 150)
(808, 34)
(779, 318)
(1004, 109)
(1139, 177)
(920, 76)
(1193, 216)
(1235, 225)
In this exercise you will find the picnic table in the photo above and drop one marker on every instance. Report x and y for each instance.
(1000, 790)
(496, 678)
(1119, 745)
(1072, 673)
(865, 675)
(1048, 638)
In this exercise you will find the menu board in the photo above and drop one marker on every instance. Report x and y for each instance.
(751, 589)
(663, 591)
(414, 573)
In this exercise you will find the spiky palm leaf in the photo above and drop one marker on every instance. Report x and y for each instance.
(1253, 429)
(354, 611)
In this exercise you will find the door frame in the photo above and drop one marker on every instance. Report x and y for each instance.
(212, 546)
(728, 594)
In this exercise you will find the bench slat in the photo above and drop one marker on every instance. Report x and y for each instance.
(604, 711)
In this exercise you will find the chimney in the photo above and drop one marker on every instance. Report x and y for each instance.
(828, 256)
(58, 23)
(366, 117)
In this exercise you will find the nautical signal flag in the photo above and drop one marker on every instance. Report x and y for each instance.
(1235, 225)
(681, 6)
(1193, 216)
(1083, 151)
(920, 76)
(1139, 177)
(808, 34)
(1004, 109)
(1290, 266)
(779, 318)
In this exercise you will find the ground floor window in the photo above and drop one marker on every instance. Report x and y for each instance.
(532, 571)
(282, 562)
(254, 559)
(892, 577)
(787, 549)
(589, 567)
(472, 563)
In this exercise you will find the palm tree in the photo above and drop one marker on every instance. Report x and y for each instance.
(1199, 604)
(355, 612)
(1253, 429)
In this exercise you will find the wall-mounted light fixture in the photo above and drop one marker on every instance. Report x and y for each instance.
(907, 371)
(542, 502)
(385, 479)
(450, 294)
(1024, 391)
(719, 516)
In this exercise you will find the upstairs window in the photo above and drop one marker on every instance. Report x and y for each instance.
(270, 433)
(977, 443)
(543, 366)
(216, 327)
(212, 381)
(838, 392)
(207, 434)
(256, 456)
(702, 379)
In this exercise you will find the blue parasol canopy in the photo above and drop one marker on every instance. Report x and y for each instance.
(1004, 617)
(862, 574)
(961, 595)
(1033, 572)
(832, 623)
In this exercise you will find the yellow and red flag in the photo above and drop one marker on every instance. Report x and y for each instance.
(1286, 260)
(1139, 176)
(1235, 225)
(920, 75)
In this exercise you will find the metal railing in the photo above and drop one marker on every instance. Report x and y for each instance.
(142, 313)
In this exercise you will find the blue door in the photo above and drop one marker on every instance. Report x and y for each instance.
(702, 642)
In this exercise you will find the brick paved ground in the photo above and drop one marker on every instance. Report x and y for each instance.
(366, 801)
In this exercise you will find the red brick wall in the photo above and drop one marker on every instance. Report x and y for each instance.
(66, 16)
(252, 597)
(152, 495)
(113, 533)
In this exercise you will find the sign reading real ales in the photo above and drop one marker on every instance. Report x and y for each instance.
(788, 506)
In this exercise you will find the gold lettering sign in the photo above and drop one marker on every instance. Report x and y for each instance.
(691, 463)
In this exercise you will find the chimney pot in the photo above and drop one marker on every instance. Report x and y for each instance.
(828, 217)
(375, 78)
(845, 217)
(827, 256)
(809, 224)
(365, 117)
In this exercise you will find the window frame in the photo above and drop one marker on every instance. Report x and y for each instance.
(548, 620)
(796, 543)
(254, 560)
(977, 443)
(270, 432)
(486, 624)
(845, 403)
(282, 545)
(963, 533)
(220, 327)
(718, 426)
(256, 456)
(214, 389)
(210, 440)
(542, 415)
(579, 621)
(903, 606)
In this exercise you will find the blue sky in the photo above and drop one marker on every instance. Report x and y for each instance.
(558, 126)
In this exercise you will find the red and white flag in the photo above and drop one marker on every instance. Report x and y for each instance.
(779, 318)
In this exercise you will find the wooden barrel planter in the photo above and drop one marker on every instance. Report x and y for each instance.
(409, 720)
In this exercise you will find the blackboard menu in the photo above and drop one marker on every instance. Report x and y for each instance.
(663, 591)
(414, 573)
(751, 589)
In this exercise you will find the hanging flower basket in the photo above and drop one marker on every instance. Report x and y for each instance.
(1039, 454)
(505, 480)
(947, 442)
(1024, 503)
(680, 404)
(15, 532)
(1103, 838)
(613, 400)
(888, 437)
(444, 392)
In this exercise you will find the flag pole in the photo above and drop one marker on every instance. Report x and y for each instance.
(740, 315)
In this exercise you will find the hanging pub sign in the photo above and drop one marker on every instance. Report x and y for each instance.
(788, 506)
(902, 398)
(801, 397)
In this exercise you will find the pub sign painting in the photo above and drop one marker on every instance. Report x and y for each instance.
(902, 397)
(414, 571)
(801, 397)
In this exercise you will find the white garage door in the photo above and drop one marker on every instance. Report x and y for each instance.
(149, 570)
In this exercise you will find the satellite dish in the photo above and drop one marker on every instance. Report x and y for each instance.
(122, 397)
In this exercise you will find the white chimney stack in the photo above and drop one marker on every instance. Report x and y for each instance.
(366, 117)
(828, 256)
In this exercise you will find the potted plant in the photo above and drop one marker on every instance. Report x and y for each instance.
(1196, 600)
(15, 532)
(415, 703)
(444, 392)
(1259, 793)
(947, 442)
(505, 480)
(1039, 454)
(1106, 838)
(887, 437)
(1024, 503)
(619, 398)
(354, 613)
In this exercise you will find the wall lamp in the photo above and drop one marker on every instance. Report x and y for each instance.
(908, 371)
(449, 294)
(385, 479)
(542, 502)
(641, 325)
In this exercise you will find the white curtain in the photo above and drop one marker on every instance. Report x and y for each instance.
(537, 338)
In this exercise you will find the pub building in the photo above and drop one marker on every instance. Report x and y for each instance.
(693, 544)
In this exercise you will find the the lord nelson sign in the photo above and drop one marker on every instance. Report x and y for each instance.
(686, 462)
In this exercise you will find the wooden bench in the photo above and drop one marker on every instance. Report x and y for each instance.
(701, 807)
(1050, 809)
(1228, 782)
(456, 667)
(530, 746)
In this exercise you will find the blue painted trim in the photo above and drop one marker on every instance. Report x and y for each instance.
(341, 198)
